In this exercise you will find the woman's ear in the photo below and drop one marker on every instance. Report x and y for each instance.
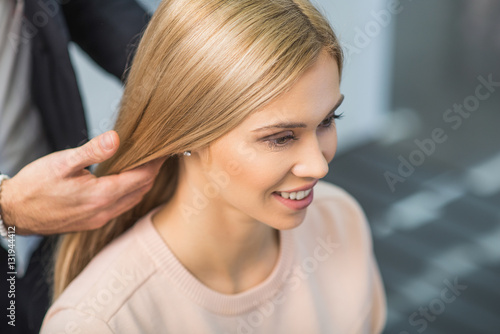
(200, 156)
(205, 156)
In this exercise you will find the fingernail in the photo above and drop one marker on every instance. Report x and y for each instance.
(107, 142)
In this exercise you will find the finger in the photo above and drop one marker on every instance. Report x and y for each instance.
(155, 165)
(128, 201)
(122, 205)
(119, 185)
(151, 168)
(97, 150)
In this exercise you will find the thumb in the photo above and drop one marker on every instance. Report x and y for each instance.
(97, 150)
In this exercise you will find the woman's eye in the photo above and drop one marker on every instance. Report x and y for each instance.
(328, 122)
(280, 142)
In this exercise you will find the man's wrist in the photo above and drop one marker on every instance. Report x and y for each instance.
(4, 228)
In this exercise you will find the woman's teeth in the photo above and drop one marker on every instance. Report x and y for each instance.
(296, 195)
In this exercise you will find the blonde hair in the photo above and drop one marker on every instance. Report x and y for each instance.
(201, 67)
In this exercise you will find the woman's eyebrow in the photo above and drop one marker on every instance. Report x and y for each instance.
(299, 125)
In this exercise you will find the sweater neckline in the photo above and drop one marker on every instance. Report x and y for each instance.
(191, 287)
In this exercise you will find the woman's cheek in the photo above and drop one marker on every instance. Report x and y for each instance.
(329, 144)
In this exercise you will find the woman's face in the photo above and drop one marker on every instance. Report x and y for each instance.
(283, 147)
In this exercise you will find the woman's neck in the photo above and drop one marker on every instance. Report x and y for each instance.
(226, 251)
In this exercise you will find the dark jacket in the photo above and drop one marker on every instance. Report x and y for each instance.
(107, 31)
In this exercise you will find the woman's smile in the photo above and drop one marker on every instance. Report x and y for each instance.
(295, 200)
(283, 148)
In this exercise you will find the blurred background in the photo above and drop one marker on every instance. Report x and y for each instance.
(419, 149)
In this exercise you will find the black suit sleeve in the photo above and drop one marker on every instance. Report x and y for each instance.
(108, 30)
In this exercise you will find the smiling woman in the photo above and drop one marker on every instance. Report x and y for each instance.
(239, 234)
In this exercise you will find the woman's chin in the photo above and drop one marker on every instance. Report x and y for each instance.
(290, 222)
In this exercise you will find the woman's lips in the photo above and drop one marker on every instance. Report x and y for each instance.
(295, 204)
(301, 188)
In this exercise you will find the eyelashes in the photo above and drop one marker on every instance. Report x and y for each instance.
(328, 121)
(282, 142)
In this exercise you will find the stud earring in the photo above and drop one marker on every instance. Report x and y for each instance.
(187, 153)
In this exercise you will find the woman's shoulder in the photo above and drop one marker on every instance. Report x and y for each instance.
(339, 225)
(335, 200)
(336, 212)
(325, 190)
(74, 321)
(106, 283)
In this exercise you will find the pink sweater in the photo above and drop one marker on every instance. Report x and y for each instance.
(326, 280)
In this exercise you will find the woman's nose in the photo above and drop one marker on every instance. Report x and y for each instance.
(313, 158)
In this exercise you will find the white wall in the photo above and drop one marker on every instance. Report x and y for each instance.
(367, 42)
(365, 37)
(101, 92)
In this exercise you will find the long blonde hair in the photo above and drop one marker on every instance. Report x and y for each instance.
(201, 68)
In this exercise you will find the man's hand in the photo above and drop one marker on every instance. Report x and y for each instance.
(56, 194)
